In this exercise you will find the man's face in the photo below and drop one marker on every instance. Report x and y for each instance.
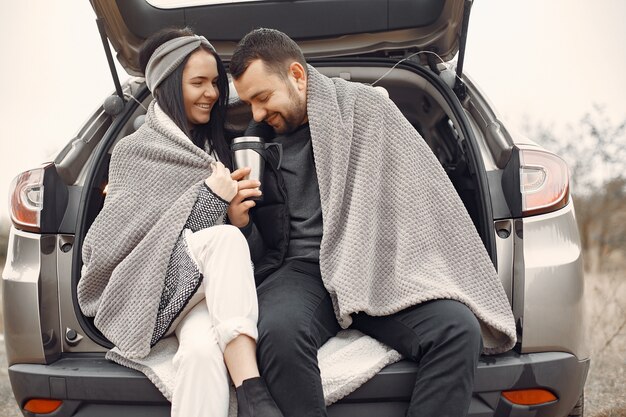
(279, 102)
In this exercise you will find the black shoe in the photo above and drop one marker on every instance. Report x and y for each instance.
(254, 400)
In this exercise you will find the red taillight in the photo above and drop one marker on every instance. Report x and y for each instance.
(534, 181)
(26, 200)
(544, 182)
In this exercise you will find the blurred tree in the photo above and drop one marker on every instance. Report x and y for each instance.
(612, 227)
(594, 149)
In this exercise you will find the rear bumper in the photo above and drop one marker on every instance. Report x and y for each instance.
(92, 386)
(561, 373)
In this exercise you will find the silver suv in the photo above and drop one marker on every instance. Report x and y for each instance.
(516, 192)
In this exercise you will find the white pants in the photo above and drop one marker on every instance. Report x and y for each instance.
(204, 329)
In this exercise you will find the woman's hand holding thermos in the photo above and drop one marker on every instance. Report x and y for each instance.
(221, 183)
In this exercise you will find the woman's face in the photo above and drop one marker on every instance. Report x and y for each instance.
(200, 91)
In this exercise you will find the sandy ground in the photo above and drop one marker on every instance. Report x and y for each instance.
(605, 392)
(8, 407)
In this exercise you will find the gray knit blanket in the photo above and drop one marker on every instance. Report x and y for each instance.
(395, 231)
(155, 176)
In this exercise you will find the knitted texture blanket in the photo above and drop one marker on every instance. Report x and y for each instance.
(346, 361)
(155, 176)
(395, 231)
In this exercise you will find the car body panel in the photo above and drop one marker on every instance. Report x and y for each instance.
(78, 341)
(31, 336)
(553, 284)
(547, 280)
(350, 27)
(504, 250)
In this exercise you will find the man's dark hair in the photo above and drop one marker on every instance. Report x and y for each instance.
(271, 46)
(169, 95)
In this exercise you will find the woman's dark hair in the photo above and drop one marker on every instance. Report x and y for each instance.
(169, 95)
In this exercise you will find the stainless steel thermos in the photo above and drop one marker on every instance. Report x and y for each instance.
(250, 151)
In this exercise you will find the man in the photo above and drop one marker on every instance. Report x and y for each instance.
(348, 235)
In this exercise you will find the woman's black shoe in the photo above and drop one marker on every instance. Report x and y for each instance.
(254, 400)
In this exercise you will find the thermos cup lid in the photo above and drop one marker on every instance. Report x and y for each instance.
(242, 139)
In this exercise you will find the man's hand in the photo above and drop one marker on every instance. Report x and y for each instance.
(238, 210)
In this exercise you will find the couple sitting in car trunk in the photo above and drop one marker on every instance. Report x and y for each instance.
(358, 227)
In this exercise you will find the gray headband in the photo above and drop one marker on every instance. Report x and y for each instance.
(167, 57)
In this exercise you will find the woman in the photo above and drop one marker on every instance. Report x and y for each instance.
(158, 259)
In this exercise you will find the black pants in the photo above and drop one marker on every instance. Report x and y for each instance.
(296, 317)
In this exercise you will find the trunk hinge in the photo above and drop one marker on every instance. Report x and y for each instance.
(107, 51)
(459, 86)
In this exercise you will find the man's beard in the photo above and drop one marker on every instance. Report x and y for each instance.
(292, 120)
